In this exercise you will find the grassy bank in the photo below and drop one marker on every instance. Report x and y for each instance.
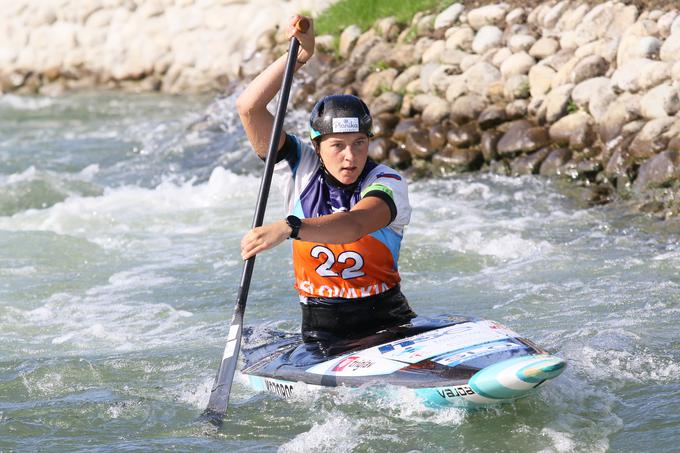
(365, 12)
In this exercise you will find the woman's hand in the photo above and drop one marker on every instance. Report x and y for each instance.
(263, 238)
(306, 38)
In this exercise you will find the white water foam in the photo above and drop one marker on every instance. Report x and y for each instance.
(25, 102)
(338, 433)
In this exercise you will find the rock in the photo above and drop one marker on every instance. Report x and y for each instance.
(467, 108)
(554, 161)
(528, 164)
(441, 78)
(658, 171)
(435, 112)
(665, 23)
(463, 136)
(516, 109)
(461, 39)
(403, 56)
(453, 57)
(437, 136)
(563, 75)
(588, 68)
(660, 101)
(489, 143)
(434, 51)
(601, 98)
(522, 137)
(405, 127)
(487, 38)
(379, 54)
(519, 63)
(492, 116)
(421, 101)
(575, 130)
(553, 15)
(517, 87)
(449, 16)
(500, 55)
(480, 76)
(469, 61)
(488, 15)
(418, 145)
(557, 102)
(426, 72)
(399, 158)
(364, 44)
(379, 148)
(560, 59)
(495, 92)
(388, 102)
(521, 43)
(457, 87)
(585, 91)
(640, 74)
(344, 75)
(544, 48)
(410, 74)
(384, 124)
(516, 16)
(540, 79)
(376, 83)
(670, 50)
(425, 24)
(652, 139)
(457, 159)
(348, 39)
(388, 28)
(622, 110)
(633, 47)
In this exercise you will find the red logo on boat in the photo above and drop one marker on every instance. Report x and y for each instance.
(343, 363)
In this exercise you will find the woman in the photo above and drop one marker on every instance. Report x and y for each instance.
(347, 213)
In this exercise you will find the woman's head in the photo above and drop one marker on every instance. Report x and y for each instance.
(340, 126)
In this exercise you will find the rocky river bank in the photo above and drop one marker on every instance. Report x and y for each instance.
(564, 89)
(585, 92)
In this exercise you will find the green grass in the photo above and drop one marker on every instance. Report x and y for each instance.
(365, 12)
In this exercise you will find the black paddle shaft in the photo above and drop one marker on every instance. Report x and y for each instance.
(219, 396)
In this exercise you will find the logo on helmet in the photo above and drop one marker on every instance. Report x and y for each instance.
(341, 125)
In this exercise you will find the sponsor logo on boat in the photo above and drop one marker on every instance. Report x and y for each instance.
(353, 363)
(455, 392)
(282, 390)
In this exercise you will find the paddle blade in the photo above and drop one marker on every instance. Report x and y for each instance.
(219, 395)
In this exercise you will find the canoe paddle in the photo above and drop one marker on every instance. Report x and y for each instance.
(219, 395)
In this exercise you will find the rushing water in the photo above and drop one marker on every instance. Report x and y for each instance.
(120, 219)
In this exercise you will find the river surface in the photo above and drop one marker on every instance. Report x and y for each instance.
(120, 221)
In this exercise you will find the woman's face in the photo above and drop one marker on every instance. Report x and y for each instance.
(344, 155)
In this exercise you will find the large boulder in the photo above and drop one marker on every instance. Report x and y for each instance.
(522, 137)
(409, 75)
(457, 159)
(575, 130)
(660, 101)
(521, 43)
(487, 15)
(378, 82)
(388, 102)
(557, 102)
(467, 107)
(544, 48)
(653, 138)
(640, 74)
(519, 63)
(528, 164)
(660, 170)
(460, 38)
(622, 110)
(480, 76)
(348, 39)
(418, 145)
(516, 87)
(588, 68)
(540, 79)
(435, 112)
(670, 50)
(487, 38)
(555, 161)
(449, 16)
(463, 136)
(584, 91)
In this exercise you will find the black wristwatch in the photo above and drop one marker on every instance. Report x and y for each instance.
(294, 223)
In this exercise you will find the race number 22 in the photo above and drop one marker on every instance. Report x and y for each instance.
(347, 273)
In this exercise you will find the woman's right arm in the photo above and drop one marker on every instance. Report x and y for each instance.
(252, 103)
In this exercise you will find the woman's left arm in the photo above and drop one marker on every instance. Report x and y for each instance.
(368, 215)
